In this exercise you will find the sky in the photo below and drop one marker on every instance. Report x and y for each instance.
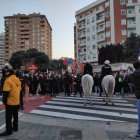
(60, 14)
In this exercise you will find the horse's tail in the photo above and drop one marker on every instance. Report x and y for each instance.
(111, 86)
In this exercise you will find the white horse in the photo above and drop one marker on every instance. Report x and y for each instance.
(87, 84)
(108, 85)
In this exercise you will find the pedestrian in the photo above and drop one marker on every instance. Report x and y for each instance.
(78, 86)
(11, 100)
(135, 76)
(21, 77)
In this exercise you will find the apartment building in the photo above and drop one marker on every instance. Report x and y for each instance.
(23, 32)
(2, 61)
(103, 22)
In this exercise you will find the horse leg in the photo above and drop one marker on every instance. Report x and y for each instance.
(104, 96)
(90, 99)
(112, 99)
(85, 99)
(106, 99)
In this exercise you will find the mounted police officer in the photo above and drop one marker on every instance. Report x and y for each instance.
(106, 69)
(88, 69)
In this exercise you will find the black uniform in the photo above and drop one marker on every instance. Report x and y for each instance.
(88, 69)
(106, 70)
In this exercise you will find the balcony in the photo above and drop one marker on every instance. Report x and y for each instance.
(82, 53)
(131, 25)
(82, 26)
(82, 35)
(101, 39)
(82, 43)
(131, 15)
(99, 11)
(100, 19)
(102, 29)
(129, 4)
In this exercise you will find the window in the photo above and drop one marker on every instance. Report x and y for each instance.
(88, 48)
(123, 21)
(122, 2)
(108, 24)
(88, 38)
(93, 28)
(123, 31)
(88, 30)
(93, 46)
(108, 34)
(93, 19)
(93, 37)
(123, 12)
(107, 14)
(107, 4)
(129, 1)
(88, 21)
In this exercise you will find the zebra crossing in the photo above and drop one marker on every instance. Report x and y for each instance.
(72, 108)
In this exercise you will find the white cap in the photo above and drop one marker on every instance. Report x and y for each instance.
(107, 62)
(8, 65)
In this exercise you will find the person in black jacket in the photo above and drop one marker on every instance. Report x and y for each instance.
(135, 76)
(21, 77)
(88, 69)
(78, 87)
(106, 69)
(67, 82)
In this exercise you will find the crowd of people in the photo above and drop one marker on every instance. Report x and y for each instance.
(52, 83)
(13, 83)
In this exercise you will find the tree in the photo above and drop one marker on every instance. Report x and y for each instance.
(31, 56)
(132, 45)
(17, 59)
(56, 65)
(38, 58)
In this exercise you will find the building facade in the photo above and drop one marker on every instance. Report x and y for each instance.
(2, 61)
(23, 32)
(104, 22)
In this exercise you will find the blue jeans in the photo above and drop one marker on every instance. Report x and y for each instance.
(138, 109)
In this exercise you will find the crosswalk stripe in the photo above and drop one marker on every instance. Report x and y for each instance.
(69, 116)
(94, 106)
(93, 98)
(92, 111)
(82, 101)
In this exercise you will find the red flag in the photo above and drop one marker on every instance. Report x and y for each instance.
(65, 62)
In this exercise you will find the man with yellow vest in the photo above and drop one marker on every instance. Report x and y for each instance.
(11, 100)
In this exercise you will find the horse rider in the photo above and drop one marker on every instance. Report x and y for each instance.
(106, 69)
(88, 69)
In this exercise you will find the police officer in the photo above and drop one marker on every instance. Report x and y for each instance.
(88, 69)
(106, 69)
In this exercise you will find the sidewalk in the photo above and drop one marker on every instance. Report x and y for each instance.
(35, 127)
